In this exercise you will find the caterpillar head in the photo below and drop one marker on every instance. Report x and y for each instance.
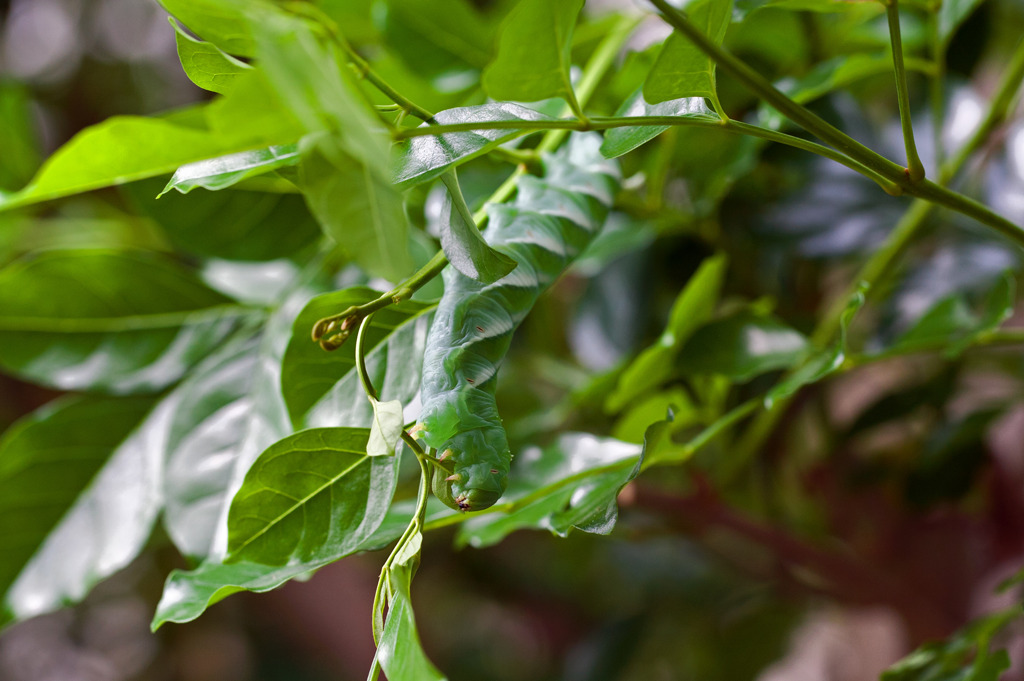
(472, 488)
(476, 499)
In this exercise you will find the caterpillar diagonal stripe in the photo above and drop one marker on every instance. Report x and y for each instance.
(552, 219)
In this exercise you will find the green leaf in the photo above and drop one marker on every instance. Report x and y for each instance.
(387, 428)
(533, 56)
(572, 483)
(320, 91)
(682, 69)
(128, 148)
(438, 38)
(400, 652)
(224, 171)
(105, 320)
(822, 363)
(249, 226)
(226, 412)
(952, 326)
(222, 22)
(18, 138)
(651, 408)
(952, 14)
(829, 76)
(462, 242)
(867, 9)
(965, 656)
(79, 477)
(424, 158)
(357, 208)
(694, 306)
(742, 346)
(187, 594)
(205, 64)
(313, 494)
(618, 141)
(310, 375)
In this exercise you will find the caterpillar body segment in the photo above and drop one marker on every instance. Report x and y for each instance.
(551, 221)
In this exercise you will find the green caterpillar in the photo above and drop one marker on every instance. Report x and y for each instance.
(551, 221)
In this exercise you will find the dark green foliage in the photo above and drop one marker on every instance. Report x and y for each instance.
(691, 299)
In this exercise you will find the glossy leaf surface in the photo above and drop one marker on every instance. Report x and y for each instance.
(225, 171)
(394, 368)
(128, 148)
(226, 413)
(618, 141)
(80, 477)
(104, 320)
(312, 494)
(306, 74)
(462, 242)
(187, 594)
(421, 159)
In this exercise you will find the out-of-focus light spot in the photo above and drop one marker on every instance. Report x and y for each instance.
(130, 30)
(40, 41)
(1015, 151)
(965, 113)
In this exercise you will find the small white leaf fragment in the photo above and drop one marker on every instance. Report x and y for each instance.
(386, 428)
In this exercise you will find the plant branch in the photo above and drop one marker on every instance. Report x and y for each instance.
(936, 80)
(882, 260)
(364, 378)
(609, 122)
(760, 86)
(915, 169)
(332, 331)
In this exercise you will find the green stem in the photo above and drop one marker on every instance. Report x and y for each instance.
(938, 194)
(737, 127)
(990, 339)
(761, 87)
(560, 124)
(332, 331)
(593, 72)
(936, 82)
(881, 261)
(364, 378)
(609, 122)
(915, 169)
(709, 433)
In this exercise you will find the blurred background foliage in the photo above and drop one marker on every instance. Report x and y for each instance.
(884, 512)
